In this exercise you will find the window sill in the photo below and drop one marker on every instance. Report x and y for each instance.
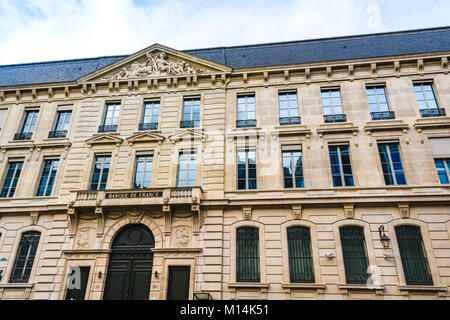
(256, 285)
(316, 286)
(360, 287)
(422, 288)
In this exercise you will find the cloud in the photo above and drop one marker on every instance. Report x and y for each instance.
(42, 30)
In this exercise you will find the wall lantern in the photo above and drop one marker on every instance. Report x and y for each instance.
(156, 274)
(385, 241)
(100, 274)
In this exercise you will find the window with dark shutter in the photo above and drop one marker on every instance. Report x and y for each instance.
(25, 257)
(247, 254)
(412, 252)
(355, 254)
(300, 257)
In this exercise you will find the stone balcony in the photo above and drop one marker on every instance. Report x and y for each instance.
(137, 197)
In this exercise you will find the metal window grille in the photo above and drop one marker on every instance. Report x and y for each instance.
(25, 257)
(412, 252)
(247, 254)
(355, 255)
(300, 257)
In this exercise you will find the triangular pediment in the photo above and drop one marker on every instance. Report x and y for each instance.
(145, 137)
(153, 62)
(188, 134)
(104, 139)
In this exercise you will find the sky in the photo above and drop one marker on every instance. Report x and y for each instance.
(46, 30)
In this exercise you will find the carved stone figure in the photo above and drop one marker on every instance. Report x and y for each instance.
(156, 64)
(181, 237)
(83, 238)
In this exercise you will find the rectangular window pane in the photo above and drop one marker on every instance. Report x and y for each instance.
(29, 121)
(143, 171)
(47, 178)
(63, 120)
(341, 169)
(292, 168)
(11, 179)
(112, 115)
(100, 172)
(246, 169)
(187, 169)
(391, 164)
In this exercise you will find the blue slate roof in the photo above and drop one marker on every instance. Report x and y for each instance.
(249, 56)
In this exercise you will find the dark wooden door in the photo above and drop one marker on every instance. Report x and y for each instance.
(178, 288)
(77, 288)
(130, 265)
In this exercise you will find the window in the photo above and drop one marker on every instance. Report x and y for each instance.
(288, 108)
(246, 169)
(150, 116)
(111, 119)
(100, 173)
(391, 164)
(412, 252)
(11, 179)
(292, 169)
(332, 106)
(187, 169)
(379, 108)
(246, 116)
(354, 253)
(441, 152)
(26, 132)
(143, 172)
(300, 257)
(25, 257)
(191, 113)
(341, 169)
(427, 101)
(62, 124)
(47, 178)
(247, 254)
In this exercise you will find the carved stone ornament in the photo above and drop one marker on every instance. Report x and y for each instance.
(181, 237)
(247, 213)
(349, 210)
(82, 241)
(297, 212)
(155, 64)
(403, 208)
(34, 217)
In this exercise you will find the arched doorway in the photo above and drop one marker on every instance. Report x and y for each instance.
(130, 264)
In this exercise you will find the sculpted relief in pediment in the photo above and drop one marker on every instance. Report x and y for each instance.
(156, 63)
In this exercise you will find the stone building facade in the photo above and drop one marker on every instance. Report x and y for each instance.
(236, 148)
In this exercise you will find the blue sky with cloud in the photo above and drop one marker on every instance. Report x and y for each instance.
(42, 30)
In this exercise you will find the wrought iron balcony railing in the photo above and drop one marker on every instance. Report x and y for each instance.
(190, 124)
(110, 128)
(384, 115)
(246, 123)
(335, 118)
(436, 112)
(148, 126)
(57, 134)
(289, 120)
(23, 136)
